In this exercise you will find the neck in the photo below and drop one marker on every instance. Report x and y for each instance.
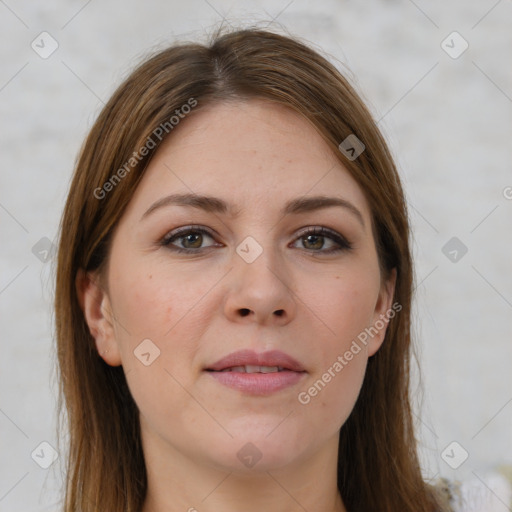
(178, 483)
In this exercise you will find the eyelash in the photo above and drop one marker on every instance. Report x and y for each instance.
(343, 243)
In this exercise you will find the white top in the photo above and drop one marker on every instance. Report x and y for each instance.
(487, 493)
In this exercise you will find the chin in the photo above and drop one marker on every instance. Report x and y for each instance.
(255, 450)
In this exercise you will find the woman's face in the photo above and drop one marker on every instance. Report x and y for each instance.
(220, 251)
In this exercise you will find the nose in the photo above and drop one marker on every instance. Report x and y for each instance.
(260, 291)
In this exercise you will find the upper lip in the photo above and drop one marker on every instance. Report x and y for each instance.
(249, 357)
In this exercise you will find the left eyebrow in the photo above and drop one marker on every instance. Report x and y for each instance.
(217, 205)
(312, 203)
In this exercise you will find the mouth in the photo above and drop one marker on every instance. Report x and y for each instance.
(249, 361)
(257, 374)
(252, 369)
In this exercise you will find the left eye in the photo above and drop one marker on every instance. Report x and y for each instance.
(314, 240)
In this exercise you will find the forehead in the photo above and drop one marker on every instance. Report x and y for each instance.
(252, 153)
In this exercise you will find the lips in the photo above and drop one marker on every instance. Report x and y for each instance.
(249, 361)
(254, 369)
(257, 374)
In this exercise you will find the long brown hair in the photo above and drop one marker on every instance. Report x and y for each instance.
(378, 466)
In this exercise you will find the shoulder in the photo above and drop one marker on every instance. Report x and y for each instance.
(491, 492)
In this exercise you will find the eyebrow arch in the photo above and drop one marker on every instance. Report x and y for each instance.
(216, 205)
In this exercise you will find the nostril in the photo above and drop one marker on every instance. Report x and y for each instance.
(246, 312)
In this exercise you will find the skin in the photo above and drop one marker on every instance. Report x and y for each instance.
(255, 156)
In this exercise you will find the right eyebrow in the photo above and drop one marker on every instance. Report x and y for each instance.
(206, 203)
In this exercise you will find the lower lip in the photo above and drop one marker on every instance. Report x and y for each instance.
(258, 383)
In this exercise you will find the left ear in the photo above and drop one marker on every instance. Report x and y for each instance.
(383, 313)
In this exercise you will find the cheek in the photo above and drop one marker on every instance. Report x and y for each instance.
(153, 300)
(160, 317)
(345, 308)
(329, 396)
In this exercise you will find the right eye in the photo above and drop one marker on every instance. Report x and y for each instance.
(189, 238)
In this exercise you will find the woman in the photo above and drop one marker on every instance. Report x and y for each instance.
(234, 293)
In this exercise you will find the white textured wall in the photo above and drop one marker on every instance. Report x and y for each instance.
(448, 122)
